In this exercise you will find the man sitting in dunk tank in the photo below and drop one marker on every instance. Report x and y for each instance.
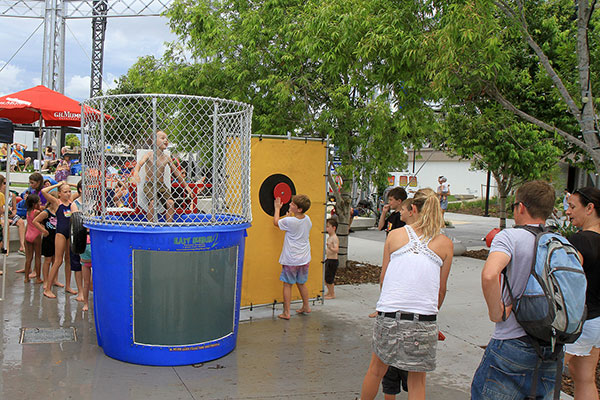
(164, 164)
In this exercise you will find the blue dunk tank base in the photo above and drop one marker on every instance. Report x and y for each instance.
(167, 295)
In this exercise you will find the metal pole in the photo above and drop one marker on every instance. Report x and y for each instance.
(245, 141)
(487, 195)
(6, 225)
(215, 195)
(102, 162)
(327, 173)
(154, 169)
(39, 152)
(60, 60)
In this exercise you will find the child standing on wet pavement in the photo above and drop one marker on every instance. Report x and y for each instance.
(295, 255)
(45, 222)
(331, 263)
(33, 239)
(62, 239)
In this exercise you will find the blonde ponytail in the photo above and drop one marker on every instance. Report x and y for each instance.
(430, 220)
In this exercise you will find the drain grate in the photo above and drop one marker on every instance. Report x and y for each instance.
(47, 335)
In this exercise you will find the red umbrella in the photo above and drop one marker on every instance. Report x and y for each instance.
(29, 105)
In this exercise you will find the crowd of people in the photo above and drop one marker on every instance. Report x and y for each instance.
(42, 213)
(417, 258)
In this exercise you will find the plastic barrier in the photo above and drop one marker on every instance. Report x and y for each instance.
(167, 295)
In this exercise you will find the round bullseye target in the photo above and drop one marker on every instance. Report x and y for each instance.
(276, 185)
(283, 191)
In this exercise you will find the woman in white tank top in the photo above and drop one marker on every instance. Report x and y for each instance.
(416, 265)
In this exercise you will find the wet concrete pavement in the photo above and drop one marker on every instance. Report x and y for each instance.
(322, 355)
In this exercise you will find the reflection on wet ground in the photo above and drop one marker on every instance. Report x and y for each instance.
(310, 356)
(322, 355)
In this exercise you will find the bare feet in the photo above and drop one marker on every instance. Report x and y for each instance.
(49, 294)
(33, 275)
(70, 290)
(38, 281)
(85, 307)
(58, 284)
(79, 298)
(26, 280)
(373, 314)
(329, 296)
(284, 316)
(20, 271)
(303, 310)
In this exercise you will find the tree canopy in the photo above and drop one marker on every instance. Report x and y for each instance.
(536, 59)
(366, 72)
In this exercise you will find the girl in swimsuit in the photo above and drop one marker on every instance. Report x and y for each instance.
(75, 259)
(62, 242)
(46, 223)
(85, 260)
(33, 239)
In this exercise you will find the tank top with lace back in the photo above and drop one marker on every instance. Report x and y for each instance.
(412, 279)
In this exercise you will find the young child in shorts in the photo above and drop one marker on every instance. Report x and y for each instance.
(295, 255)
(331, 251)
(33, 239)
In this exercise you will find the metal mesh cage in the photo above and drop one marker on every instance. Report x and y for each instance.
(165, 160)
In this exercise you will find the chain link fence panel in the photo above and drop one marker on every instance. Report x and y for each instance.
(165, 160)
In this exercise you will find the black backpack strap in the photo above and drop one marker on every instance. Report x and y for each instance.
(557, 354)
(559, 369)
(536, 376)
(512, 298)
(532, 229)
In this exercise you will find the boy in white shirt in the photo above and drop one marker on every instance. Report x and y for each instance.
(295, 255)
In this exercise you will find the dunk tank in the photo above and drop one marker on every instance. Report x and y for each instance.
(166, 199)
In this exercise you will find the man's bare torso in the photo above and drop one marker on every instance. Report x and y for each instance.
(162, 160)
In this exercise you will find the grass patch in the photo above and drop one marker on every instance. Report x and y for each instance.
(477, 207)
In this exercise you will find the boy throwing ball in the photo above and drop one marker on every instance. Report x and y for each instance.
(295, 255)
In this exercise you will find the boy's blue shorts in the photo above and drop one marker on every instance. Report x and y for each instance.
(294, 274)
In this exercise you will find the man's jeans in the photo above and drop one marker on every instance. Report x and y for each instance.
(506, 372)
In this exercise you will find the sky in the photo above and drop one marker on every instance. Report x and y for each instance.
(126, 40)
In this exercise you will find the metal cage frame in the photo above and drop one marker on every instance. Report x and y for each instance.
(201, 178)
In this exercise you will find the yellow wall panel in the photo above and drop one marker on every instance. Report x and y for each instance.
(305, 164)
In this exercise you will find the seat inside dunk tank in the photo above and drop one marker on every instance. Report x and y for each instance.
(126, 201)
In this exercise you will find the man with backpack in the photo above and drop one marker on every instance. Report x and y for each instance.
(516, 362)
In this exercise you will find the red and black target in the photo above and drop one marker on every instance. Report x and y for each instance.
(276, 185)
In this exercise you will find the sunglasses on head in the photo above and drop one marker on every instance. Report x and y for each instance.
(583, 196)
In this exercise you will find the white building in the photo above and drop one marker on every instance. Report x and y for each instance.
(430, 164)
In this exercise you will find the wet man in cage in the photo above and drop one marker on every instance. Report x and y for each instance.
(161, 181)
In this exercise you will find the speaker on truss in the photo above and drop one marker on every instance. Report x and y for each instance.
(7, 130)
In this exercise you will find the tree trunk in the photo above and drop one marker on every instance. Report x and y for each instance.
(502, 211)
(342, 210)
(503, 193)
